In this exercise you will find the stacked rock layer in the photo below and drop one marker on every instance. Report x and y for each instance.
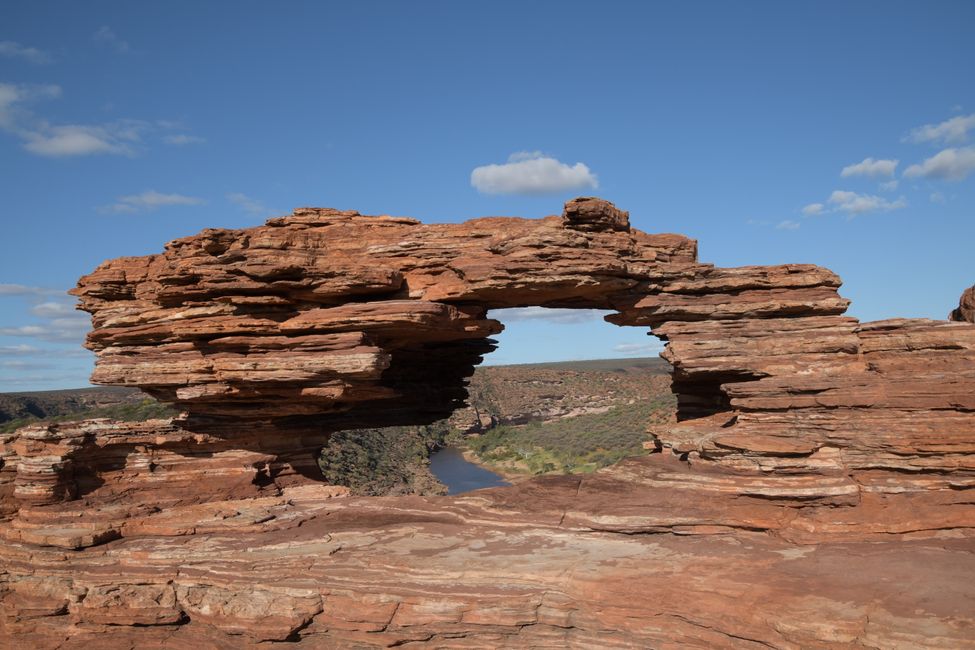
(815, 491)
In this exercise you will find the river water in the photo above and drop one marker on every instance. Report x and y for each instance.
(460, 475)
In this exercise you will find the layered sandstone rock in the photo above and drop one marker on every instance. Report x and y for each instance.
(814, 492)
(650, 554)
(965, 311)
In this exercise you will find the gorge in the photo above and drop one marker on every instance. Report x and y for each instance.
(815, 490)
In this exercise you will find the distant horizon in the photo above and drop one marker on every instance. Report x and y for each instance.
(481, 365)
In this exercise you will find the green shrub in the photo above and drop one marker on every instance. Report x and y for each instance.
(580, 444)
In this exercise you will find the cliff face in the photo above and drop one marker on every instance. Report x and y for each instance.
(817, 462)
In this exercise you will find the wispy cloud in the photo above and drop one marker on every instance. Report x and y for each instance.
(25, 290)
(54, 332)
(855, 204)
(18, 350)
(954, 164)
(59, 330)
(33, 55)
(250, 205)
(634, 349)
(559, 316)
(181, 139)
(951, 131)
(532, 172)
(14, 96)
(84, 140)
(107, 37)
(147, 201)
(871, 167)
(42, 138)
(786, 224)
(58, 320)
(20, 364)
(937, 197)
(51, 309)
(948, 164)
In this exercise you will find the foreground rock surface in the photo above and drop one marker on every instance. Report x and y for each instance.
(650, 553)
(815, 490)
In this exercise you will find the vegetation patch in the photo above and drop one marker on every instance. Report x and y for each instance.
(573, 445)
(146, 409)
(386, 461)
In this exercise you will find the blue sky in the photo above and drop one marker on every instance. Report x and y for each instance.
(126, 124)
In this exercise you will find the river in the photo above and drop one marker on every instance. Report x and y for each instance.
(461, 475)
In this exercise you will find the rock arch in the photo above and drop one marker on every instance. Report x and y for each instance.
(334, 314)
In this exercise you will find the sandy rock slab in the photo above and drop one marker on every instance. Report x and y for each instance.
(606, 560)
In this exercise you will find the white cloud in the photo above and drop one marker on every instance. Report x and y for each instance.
(82, 140)
(57, 352)
(889, 186)
(42, 138)
(53, 340)
(24, 290)
(19, 364)
(70, 330)
(871, 167)
(250, 205)
(948, 164)
(634, 349)
(813, 208)
(30, 54)
(18, 350)
(13, 95)
(149, 200)
(786, 224)
(950, 131)
(180, 139)
(937, 197)
(551, 315)
(105, 36)
(53, 309)
(532, 173)
(853, 203)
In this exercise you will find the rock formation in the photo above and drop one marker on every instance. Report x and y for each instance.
(965, 311)
(815, 491)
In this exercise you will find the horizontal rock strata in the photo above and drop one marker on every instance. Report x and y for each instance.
(815, 490)
(650, 553)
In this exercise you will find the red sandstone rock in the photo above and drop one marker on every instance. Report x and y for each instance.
(966, 307)
(815, 491)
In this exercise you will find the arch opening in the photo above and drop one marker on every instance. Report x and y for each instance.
(564, 392)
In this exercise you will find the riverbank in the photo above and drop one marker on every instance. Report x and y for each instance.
(459, 474)
(508, 473)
